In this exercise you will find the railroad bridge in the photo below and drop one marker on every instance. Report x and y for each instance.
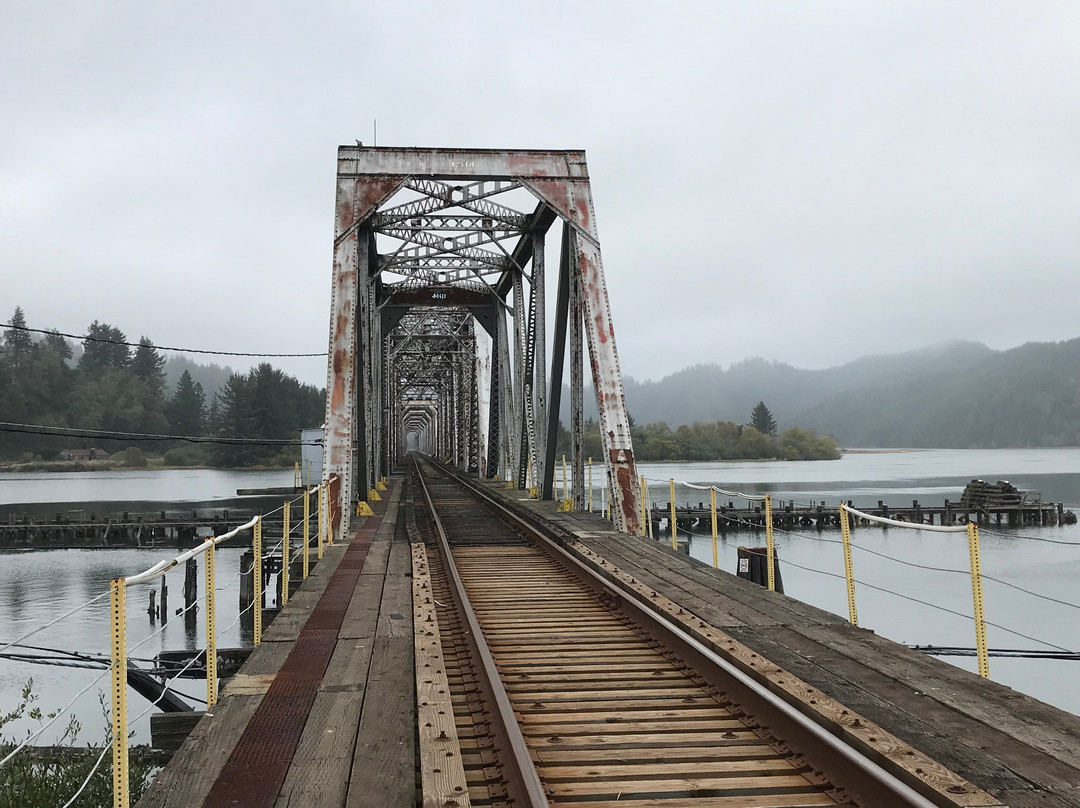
(438, 323)
(464, 643)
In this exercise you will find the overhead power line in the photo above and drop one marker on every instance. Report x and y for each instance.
(102, 434)
(86, 338)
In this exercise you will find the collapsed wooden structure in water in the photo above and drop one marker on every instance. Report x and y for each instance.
(790, 515)
(76, 529)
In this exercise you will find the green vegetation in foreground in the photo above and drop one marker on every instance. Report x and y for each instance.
(113, 388)
(49, 778)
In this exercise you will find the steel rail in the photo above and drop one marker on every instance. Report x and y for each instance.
(844, 765)
(523, 782)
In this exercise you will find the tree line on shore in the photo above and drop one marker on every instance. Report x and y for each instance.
(952, 395)
(112, 388)
(716, 440)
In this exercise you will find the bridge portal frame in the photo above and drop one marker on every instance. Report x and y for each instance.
(362, 431)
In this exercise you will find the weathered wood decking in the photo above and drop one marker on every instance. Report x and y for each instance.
(357, 745)
(1023, 752)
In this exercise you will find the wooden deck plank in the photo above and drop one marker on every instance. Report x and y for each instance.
(319, 774)
(383, 766)
(191, 773)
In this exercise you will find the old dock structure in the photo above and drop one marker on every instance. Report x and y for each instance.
(697, 517)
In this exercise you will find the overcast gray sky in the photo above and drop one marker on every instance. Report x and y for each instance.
(803, 181)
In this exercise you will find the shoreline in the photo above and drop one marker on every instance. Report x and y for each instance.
(52, 466)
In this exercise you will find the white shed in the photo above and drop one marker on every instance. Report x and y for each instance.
(311, 454)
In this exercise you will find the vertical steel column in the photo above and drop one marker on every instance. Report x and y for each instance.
(529, 444)
(362, 481)
(558, 354)
(506, 396)
(388, 420)
(608, 386)
(474, 408)
(459, 411)
(539, 382)
(518, 456)
(577, 388)
(375, 381)
(350, 250)
(494, 453)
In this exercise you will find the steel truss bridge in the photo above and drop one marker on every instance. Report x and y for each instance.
(438, 326)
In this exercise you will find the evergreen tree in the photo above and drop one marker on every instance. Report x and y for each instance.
(186, 410)
(148, 363)
(57, 344)
(18, 343)
(762, 420)
(236, 420)
(104, 348)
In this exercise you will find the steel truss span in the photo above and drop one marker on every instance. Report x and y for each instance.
(578, 692)
(438, 322)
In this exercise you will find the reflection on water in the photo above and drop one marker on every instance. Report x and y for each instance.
(38, 586)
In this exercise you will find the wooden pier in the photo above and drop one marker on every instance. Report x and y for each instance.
(697, 518)
(126, 528)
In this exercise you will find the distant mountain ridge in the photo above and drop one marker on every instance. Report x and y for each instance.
(950, 395)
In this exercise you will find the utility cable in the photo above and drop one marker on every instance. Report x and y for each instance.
(1006, 653)
(86, 338)
(105, 434)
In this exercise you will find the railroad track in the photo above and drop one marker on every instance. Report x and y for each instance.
(540, 683)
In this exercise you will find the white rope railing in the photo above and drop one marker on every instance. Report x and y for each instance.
(910, 525)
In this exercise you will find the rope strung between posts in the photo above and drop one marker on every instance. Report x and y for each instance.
(918, 566)
(162, 567)
(716, 488)
(917, 600)
(53, 622)
(908, 525)
(1028, 538)
(54, 718)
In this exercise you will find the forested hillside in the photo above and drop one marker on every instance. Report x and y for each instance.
(953, 395)
(117, 389)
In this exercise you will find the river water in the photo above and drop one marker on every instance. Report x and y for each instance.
(891, 565)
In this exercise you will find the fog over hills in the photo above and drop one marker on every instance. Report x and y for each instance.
(949, 395)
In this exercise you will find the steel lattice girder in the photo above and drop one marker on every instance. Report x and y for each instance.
(453, 239)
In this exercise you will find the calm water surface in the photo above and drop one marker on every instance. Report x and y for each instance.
(39, 585)
(890, 586)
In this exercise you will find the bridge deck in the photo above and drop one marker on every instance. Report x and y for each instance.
(355, 745)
